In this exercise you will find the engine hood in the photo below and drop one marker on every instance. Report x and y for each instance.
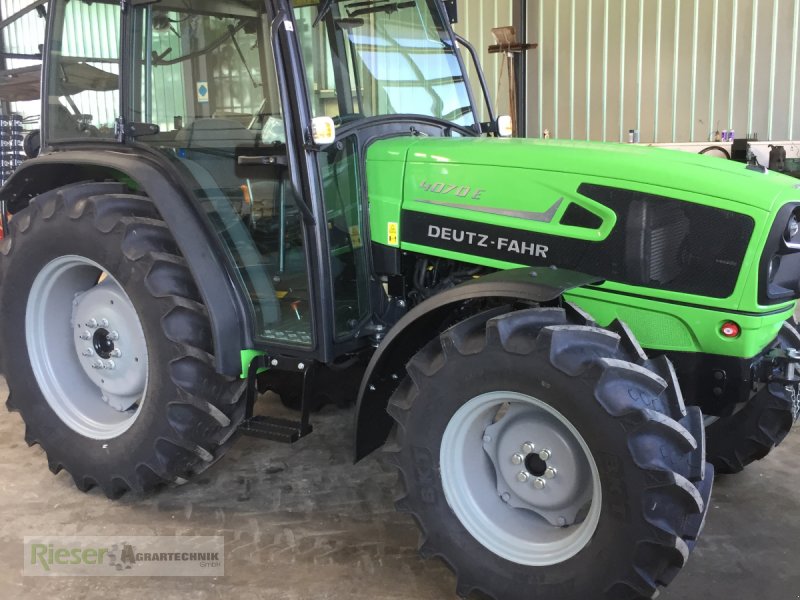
(513, 171)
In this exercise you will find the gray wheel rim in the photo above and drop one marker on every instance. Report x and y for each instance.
(520, 518)
(86, 347)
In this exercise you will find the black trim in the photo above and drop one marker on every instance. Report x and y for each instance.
(743, 313)
(304, 174)
(776, 244)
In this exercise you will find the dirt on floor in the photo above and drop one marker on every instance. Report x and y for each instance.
(302, 522)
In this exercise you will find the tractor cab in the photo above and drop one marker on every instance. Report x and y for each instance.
(264, 113)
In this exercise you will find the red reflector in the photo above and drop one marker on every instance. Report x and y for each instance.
(730, 330)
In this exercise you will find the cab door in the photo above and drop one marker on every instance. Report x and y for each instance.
(232, 125)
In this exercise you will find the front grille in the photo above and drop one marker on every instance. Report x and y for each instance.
(669, 244)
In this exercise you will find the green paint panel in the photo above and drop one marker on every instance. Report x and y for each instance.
(672, 327)
(247, 358)
(528, 186)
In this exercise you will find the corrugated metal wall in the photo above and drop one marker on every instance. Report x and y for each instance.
(676, 70)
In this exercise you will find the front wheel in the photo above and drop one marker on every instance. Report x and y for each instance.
(759, 425)
(542, 461)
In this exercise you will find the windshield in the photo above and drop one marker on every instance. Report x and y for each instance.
(371, 58)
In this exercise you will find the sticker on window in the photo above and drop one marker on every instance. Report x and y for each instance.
(202, 92)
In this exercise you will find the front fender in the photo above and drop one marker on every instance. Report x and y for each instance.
(429, 319)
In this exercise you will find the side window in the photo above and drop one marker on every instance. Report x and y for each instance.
(84, 86)
(341, 181)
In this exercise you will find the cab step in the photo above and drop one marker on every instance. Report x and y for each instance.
(275, 429)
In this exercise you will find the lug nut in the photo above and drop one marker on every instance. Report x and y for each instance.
(103, 322)
(550, 473)
(91, 323)
(86, 335)
(545, 454)
(539, 483)
(98, 364)
(528, 448)
(110, 365)
(88, 352)
(517, 459)
(116, 353)
(522, 476)
(113, 336)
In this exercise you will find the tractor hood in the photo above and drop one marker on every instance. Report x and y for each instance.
(639, 216)
(531, 175)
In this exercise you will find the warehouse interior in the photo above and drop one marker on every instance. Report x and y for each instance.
(296, 515)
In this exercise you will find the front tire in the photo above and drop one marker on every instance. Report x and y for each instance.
(615, 487)
(753, 431)
(106, 345)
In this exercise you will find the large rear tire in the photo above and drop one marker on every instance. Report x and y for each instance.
(753, 431)
(546, 459)
(106, 345)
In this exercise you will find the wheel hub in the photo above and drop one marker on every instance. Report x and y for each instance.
(110, 343)
(103, 344)
(547, 476)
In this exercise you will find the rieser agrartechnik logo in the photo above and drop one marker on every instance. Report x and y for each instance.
(131, 556)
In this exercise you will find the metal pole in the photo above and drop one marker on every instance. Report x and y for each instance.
(753, 53)
(772, 68)
(605, 70)
(522, 71)
(793, 72)
(572, 74)
(732, 78)
(622, 33)
(639, 61)
(675, 69)
(693, 94)
(589, 70)
(541, 68)
(556, 62)
(148, 68)
(659, 6)
(713, 77)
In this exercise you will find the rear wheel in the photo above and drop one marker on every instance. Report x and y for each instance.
(547, 459)
(757, 427)
(106, 344)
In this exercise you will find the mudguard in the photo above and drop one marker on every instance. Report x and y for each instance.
(230, 319)
(387, 367)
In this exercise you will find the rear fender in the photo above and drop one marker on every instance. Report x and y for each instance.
(230, 319)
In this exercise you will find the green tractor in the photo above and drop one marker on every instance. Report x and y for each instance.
(548, 339)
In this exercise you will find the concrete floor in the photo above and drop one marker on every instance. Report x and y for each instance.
(302, 522)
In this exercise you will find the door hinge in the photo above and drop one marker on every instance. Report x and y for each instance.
(124, 130)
